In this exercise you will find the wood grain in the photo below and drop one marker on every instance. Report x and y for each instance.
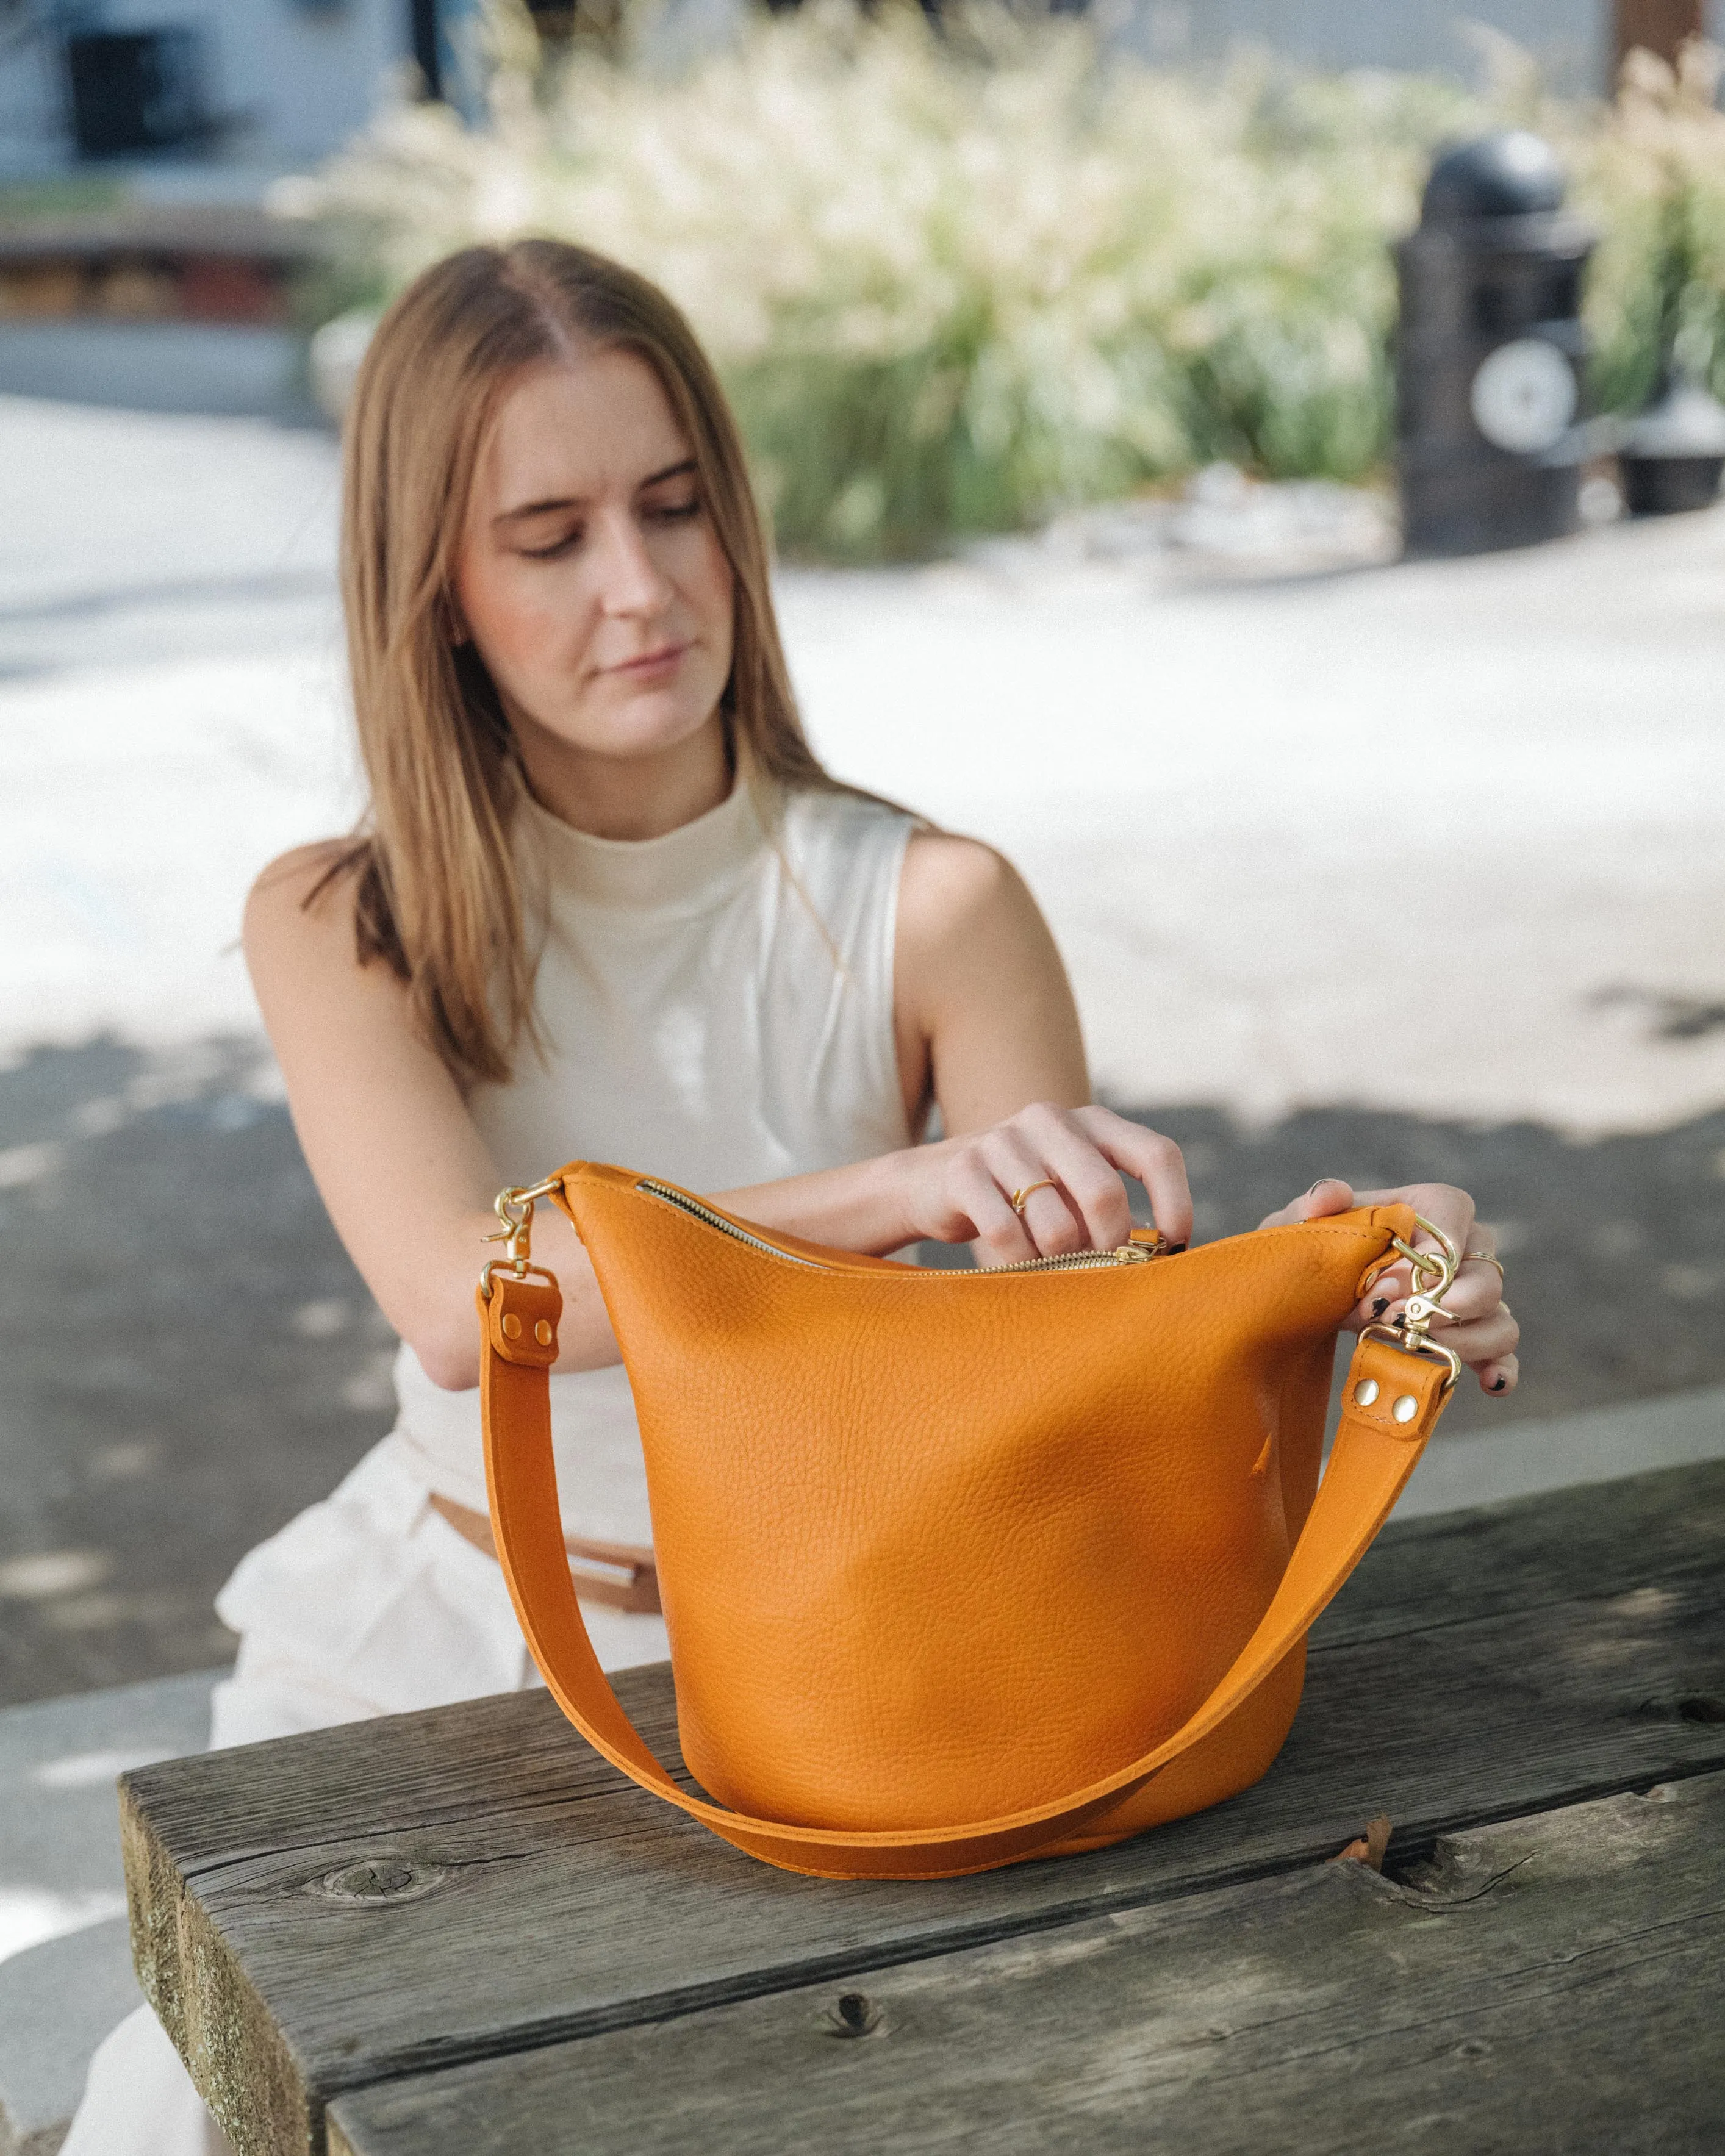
(542, 1898)
(1602, 1539)
(1551, 1984)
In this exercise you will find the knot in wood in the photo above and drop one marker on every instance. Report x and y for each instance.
(379, 1879)
(856, 2014)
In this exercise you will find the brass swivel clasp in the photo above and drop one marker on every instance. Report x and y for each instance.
(514, 1208)
(1433, 1275)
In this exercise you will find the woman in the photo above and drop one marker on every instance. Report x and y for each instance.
(607, 904)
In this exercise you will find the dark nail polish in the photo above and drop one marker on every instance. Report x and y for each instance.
(1174, 1250)
(1498, 1383)
(1380, 1305)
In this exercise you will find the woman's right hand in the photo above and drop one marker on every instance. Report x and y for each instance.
(961, 1189)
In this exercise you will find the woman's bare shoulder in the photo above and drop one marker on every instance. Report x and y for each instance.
(951, 884)
(303, 902)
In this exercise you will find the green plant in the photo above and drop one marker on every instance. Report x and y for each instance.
(1653, 176)
(960, 278)
(956, 278)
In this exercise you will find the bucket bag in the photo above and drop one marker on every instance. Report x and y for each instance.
(960, 1567)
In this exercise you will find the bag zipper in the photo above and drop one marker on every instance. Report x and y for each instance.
(1124, 1254)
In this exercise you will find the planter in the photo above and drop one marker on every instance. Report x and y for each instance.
(1660, 486)
(1672, 457)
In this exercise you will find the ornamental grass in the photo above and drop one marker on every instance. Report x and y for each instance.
(960, 278)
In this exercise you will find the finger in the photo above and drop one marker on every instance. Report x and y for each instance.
(1328, 1194)
(1090, 1183)
(1485, 1342)
(1500, 1377)
(1002, 1236)
(1156, 1161)
(1477, 1291)
(1052, 1223)
(1385, 1296)
(1440, 1203)
(1018, 1162)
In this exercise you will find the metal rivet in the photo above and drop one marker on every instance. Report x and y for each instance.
(1405, 1408)
(1365, 1392)
(541, 1332)
(511, 1326)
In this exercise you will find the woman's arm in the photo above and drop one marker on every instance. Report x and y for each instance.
(404, 1173)
(986, 1031)
(988, 1028)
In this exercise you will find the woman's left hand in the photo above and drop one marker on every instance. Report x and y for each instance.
(1484, 1335)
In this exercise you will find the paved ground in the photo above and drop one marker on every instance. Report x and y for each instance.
(1411, 871)
(188, 1357)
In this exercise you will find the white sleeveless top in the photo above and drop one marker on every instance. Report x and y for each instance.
(715, 1007)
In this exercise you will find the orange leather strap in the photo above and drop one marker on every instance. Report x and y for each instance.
(1372, 1459)
(631, 1582)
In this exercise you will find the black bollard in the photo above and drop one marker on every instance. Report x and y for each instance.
(1490, 351)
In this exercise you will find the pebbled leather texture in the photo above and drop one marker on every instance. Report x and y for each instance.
(959, 1568)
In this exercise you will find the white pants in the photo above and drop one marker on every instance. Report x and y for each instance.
(369, 1603)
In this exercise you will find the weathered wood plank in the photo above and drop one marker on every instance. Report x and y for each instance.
(1603, 1539)
(287, 1996)
(1550, 1985)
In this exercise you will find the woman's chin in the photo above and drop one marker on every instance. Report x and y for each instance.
(646, 725)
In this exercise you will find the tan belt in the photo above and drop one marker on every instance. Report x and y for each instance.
(627, 1578)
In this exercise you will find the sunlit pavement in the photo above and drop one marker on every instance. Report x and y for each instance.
(1445, 837)
(1413, 871)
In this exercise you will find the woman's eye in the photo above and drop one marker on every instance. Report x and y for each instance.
(675, 512)
(558, 547)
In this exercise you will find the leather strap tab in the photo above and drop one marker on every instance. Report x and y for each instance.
(520, 1320)
(1374, 1453)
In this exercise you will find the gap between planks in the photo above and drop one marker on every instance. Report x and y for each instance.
(1547, 1984)
(217, 1942)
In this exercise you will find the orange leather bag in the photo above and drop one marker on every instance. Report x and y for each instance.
(960, 1568)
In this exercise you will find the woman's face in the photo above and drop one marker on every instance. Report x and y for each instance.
(589, 575)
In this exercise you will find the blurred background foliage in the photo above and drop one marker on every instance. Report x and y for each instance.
(1651, 175)
(961, 275)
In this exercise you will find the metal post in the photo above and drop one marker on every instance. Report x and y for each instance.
(426, 49)
(1490, 351)
(1655, 26)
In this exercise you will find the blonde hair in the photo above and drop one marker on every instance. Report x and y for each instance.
(437, 895)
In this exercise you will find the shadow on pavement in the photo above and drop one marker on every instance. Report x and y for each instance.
(189, 1358)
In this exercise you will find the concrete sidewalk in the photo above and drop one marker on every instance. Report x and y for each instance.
(1408, 873)
(65, 1956)
(1444, 838)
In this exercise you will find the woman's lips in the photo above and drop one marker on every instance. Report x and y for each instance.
(650, 662)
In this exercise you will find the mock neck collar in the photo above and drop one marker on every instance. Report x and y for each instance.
(685, 868)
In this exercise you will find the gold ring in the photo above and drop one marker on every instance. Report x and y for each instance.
(1484, 1258)
(1019, 1198)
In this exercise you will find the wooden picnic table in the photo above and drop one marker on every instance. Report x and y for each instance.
(461, 1931)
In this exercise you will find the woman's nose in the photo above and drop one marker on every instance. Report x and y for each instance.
(631, 581)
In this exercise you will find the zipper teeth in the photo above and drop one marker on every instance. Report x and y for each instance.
(697, 1211)
(1076, 1261)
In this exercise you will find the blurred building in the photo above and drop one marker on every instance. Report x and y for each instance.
(1577, 43)
(264, 83)
(269, 85)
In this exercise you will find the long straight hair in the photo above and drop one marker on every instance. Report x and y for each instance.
(437, 894)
